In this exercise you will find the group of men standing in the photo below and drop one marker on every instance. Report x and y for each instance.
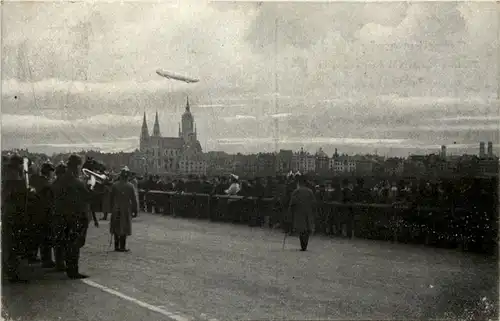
(51, 215)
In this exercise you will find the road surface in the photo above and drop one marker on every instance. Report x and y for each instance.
(185, 270)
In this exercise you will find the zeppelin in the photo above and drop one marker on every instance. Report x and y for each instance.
(170, 75)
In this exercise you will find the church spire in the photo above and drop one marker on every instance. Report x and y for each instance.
(144, 128)
(144, 133)
(156, 127)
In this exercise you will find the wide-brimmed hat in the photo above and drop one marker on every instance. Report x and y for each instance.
(60, 168)
(125, 171)
(47, 167)
(16, 161)
(74, 160)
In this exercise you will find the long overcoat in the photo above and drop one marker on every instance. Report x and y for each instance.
(302, 208)
(123, 203)
(135, 183)
(106, 199)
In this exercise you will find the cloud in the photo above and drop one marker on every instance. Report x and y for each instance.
(107, 147)
(281, 115)
(313, 140)
(96, 41)
(424, 22)
(92, 43)
(447, 127)
(220, 105)
(13, 86)
(239, 118)
(342, 69)
(32, 123)
(465, 118)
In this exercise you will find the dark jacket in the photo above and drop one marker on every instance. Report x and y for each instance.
(71, 197)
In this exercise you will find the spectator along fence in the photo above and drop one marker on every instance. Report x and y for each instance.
(466, 229)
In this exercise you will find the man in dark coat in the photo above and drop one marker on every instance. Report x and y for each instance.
(43, 213)
(124, 205)
(14, 218)
(72, 201)
(58, 226)
(302, 208)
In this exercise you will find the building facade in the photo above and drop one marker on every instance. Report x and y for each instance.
(303, 162)
(171, 155)
(342, 164)
(284, 161)
(322, 162)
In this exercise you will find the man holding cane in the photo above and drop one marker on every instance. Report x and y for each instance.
(302, 208)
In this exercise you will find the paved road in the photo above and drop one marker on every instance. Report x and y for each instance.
(196, 270)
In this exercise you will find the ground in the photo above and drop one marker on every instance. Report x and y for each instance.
(184, 270)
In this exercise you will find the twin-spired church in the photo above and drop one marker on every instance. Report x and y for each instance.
(171, 155)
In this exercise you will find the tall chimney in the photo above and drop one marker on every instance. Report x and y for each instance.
(490, 149)
(443, 151)
(481, 150)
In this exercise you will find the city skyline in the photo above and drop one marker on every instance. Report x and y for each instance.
(378, 79)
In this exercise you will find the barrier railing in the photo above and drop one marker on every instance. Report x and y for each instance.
(398, 222)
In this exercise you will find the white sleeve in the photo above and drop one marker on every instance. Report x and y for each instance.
(233, 189)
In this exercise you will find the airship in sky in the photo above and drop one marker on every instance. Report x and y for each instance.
(171, 75)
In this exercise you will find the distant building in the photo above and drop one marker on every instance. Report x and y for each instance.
(322, 161)
(394, 166)
(218, 163)
(284, 161)
(172, 155)
(490, 150)
(364, 166)
(488, 167)
(266, 164)
(304, 162)
(343, 164)
(482, 154)
(192, 166)
(244, 165)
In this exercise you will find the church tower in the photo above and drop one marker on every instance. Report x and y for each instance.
(144, 134)
(156, 127)
(187, 122)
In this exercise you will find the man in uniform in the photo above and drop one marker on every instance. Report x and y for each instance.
(72, 200)
(123, 205)
(302, 209)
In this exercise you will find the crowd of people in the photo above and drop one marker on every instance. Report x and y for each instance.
(460, 191)
(47, 213)
(449, 213)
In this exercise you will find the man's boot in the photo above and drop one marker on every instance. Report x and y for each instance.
(73, 274)
(117, 243)
(59, 257)
(46, 257)
(72, 257)
(123, 243)
(304, 240)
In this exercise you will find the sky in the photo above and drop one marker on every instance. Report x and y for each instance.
(392, 77)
